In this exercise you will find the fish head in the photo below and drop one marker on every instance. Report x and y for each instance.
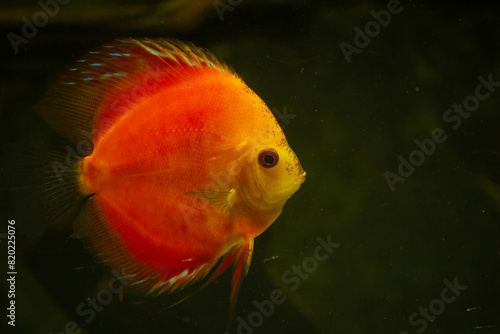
(271, 173)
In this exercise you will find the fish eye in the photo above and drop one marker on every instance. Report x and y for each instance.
(268, 158)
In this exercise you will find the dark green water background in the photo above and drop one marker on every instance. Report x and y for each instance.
(352, 121)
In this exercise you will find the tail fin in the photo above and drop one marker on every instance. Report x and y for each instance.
(41, 186)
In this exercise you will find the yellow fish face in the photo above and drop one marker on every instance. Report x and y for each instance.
(272, 172)
(279, 174)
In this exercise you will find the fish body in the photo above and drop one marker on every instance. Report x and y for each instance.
(187, 164)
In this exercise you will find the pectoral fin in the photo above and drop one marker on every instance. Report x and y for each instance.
(221, 200)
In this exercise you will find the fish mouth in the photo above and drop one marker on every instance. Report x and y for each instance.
(300, 179)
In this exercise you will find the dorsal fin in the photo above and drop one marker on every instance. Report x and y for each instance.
(102, 85)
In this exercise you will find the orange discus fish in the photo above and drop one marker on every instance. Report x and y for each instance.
(184, 164)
